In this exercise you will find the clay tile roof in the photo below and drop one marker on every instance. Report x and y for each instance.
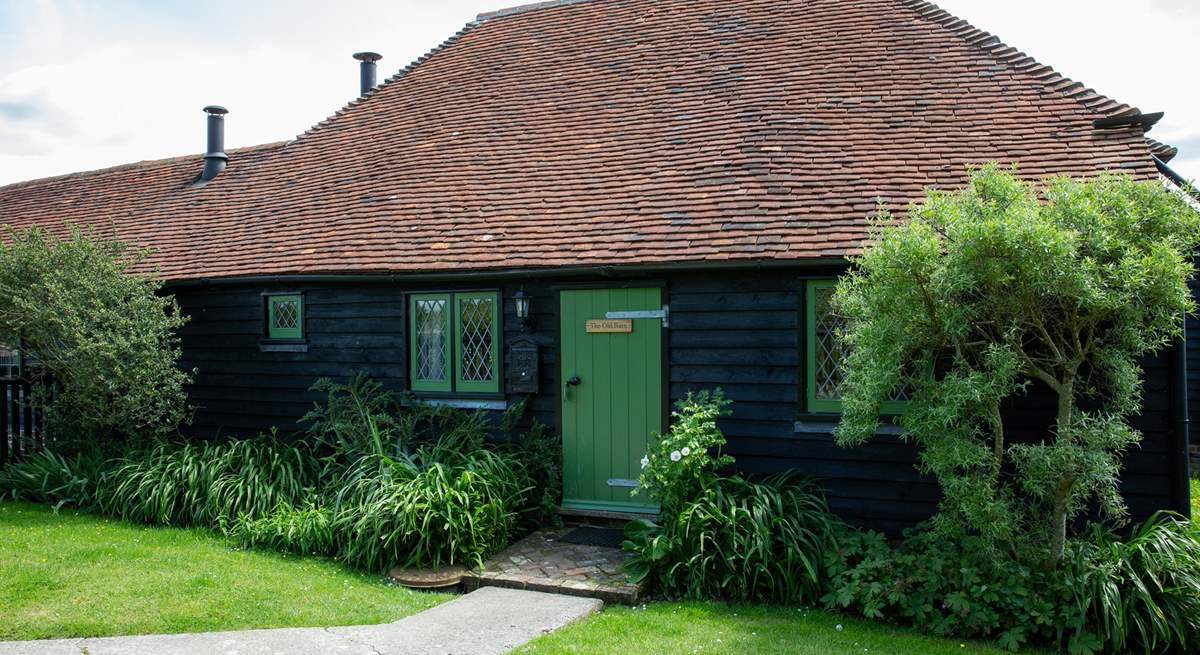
(614, 132)
(1161, 150)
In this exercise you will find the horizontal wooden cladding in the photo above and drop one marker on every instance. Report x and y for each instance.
(742, 333)
(736, 330)
(240, 389)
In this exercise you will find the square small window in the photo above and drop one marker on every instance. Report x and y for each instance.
(285, 316)
(454, 342)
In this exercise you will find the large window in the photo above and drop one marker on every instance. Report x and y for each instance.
(285, 316)
(454, 342)
(825, 352)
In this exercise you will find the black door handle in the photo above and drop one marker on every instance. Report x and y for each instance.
(574, 381)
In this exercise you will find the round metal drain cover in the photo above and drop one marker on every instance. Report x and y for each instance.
(447, 576)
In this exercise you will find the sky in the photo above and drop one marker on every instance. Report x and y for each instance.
(89, 84)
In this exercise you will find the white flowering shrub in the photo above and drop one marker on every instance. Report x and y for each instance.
(722, 536)
(674, 470)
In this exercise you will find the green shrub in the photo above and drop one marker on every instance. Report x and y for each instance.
(425, 512)
(305, 529)
(724, 537)
(207, 484)
(948, 587)
(105, 334)
(46, 477)
(360, 417)
(539, 451)
(738, 540)
(677, 467)
(1141, 594)
(1005, 287)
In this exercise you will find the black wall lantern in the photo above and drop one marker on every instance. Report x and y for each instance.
(522, 302)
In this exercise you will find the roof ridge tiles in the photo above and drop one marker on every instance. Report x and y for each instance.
(525, 8)
(993, 45)
(389, 80)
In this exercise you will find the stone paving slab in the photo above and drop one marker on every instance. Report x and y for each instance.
(488, 621)
(540, 562)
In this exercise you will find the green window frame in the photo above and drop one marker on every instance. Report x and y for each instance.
(824, 354)
(285, 316)
(454, 342)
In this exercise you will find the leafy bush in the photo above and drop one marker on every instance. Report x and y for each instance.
(724, 537)
(207, 484)
(998, 288)
(739, 540)
(103, 333)
(425, 512)
(539, 451)
(46, 477)
(948, 587)
(305, 529)
(1109, 595)
(681, 462)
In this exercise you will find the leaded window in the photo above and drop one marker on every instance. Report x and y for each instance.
(455, 342)
(826, 352)
(285, 316)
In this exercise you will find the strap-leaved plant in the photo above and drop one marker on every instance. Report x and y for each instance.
(1003, 289)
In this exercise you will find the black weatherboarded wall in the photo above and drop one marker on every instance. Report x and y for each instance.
(739, 330)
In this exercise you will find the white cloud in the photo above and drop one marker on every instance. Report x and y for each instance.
(125, 80)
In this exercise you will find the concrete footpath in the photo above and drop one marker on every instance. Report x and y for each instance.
(488, 620)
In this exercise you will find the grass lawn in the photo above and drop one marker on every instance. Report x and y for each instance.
(700, 627)
(76, 575)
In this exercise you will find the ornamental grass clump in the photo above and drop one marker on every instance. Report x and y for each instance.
(207, 484)
(58, 480)
(724, 536)
(427, 513)
(305, 529)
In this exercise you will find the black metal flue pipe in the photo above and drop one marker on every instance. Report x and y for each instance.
(366, 70)
(214, 155)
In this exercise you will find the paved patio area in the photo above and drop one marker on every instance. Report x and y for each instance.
(540, 562)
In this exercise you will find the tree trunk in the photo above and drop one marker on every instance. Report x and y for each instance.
(1058, 521)
(1062, 493)
(997, 439)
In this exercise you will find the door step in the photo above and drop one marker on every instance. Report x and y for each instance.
(600, 518)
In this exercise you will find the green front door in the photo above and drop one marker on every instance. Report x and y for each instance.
(612, 395)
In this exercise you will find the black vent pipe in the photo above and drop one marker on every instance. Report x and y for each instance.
(215, 157)
(366, 70)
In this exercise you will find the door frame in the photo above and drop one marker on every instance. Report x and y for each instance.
(623, 283)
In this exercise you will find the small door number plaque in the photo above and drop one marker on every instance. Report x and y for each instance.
(609, 325)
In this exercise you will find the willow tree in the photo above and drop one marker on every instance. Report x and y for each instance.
(1004, 288)
(101, 331)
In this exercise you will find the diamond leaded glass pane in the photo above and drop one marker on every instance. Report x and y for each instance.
(287, 314)
(431, 339)
(830, 351)
(475, 326)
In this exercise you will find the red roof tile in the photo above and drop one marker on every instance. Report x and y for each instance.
(614, 132)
